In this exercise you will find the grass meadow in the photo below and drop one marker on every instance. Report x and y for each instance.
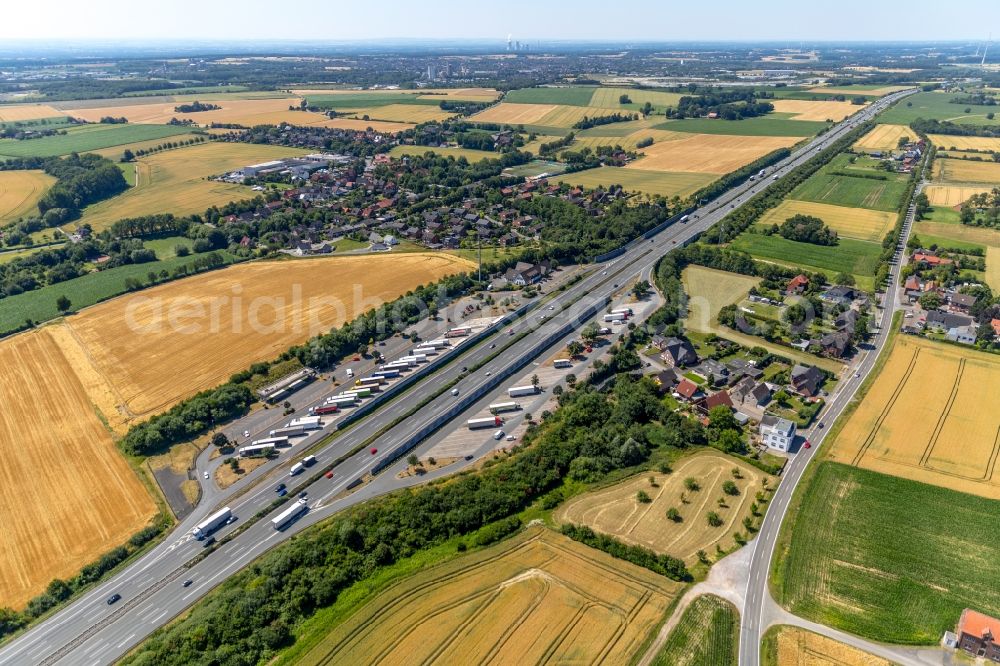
(936, 106)
(859, 258)
(86, 138)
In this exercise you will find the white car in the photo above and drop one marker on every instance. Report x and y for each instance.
(205, 474)
(454, 391)
(498, 435)
(246, 433)
(511, 438)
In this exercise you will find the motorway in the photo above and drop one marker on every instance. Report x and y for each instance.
(753, 620)
(89, 631)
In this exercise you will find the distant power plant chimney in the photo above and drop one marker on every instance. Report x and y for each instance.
(985, 50)
(508, 43)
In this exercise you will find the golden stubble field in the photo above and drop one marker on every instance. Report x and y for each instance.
(987, 143)
(709, 153)
(514, 113)
(163, 344)
(66, 494)
(966, 171)
(802, 109)
(616, 511)
(15, 112)
(20, 192)
(884, 137)
(859, 223)
(951, 195)
(798, 647)
(931, 416)
(538, 597)
(174, 181)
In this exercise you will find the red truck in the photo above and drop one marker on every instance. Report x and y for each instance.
(325, 409)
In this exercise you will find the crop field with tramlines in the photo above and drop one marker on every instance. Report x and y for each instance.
(707, 635)
(536, 597)
(931, 416)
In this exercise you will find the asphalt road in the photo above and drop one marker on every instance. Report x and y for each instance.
(753, 621)
(89, 631)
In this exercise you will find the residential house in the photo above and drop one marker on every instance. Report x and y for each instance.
(944, 321)
(713, 371)
(836, 344)
(302, 248)
(777, 433)
(797, 284)
(688, 390)
(717, 399)
(806, 379)
(749, 395)
(965, 335)
(839, 295)
(978, 635)
(961, 302)
(666, 380)
(995, 323)
(524, 273)
(930, 259)
(678, 352)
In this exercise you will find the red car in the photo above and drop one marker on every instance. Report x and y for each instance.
(357, 358)
(329, 475)
(807, 444)
(374, 450)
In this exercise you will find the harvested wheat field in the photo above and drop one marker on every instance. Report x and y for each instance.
(802, 109)
(538, 597)
(851, 90)
(709, 153)
(951, 195)
(362, 125)
(991, 144)
(565, 115)
(859, 223)
(791, 646)
(992, 276)
(174, 181)
(402, 113)
(20, 192)
(15, 112)
(628, 141)
(67, 495)
(617, 511)
(227, 319)
(247, 112)
(513, 114)
(932, 416)
(884, 137)
(966, 171)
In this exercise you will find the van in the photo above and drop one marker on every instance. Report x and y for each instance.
(498, 435)
(350, 373)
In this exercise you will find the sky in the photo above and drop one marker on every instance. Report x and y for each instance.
(526, 20)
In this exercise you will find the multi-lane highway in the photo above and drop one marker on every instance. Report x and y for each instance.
(754, 621)
(90, 631)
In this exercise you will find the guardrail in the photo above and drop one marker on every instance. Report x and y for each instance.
(462, 404)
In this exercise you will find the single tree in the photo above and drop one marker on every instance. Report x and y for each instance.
(412, 460)
(730, 488)
(713, 519)
(63, 304)
(674, 515)
(691, 484)
(643, 497)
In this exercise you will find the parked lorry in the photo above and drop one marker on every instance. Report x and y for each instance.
(288, 431)
(289, 514)
(212, 523)
(615, 316)
(342, 401)
(307, 422)
(516, 391)
(491, 422)
(426, 351)
(459, 332)
(505, 406)
(324, 409)
(439, 343)
(562, 363)
(360, 392)
(627, 311)
(255, 450)
(387, 372)
(273, 441)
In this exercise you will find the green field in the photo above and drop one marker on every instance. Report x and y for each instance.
(801, 93)
(664, 183)
(926, 240)
(826, 186)
(763, 126)
(166, 247)
(860, 258)
(448, 151)
(571, 95)
(40, 305)
(707, 635)
(888, 558)
(936, 105)
(82, 138)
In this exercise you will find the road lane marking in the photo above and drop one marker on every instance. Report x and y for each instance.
(122, 644)
(157, 618)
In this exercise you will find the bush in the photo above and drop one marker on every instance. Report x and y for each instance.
(674, 515)
(642, 497)
(730, 488)
(713, 519)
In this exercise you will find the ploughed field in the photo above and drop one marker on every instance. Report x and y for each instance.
(538, 597)
(617, 511)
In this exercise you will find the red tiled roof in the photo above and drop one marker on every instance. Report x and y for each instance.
(931, 259)
(687, 388)
(717, 399)
(976, 624)
(995, 323)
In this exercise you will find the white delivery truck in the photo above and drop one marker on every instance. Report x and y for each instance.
(505, 406)
(562, 363)
(212, 523)
(289, 514)
(297, 468)
(491, 422)
(516, 391)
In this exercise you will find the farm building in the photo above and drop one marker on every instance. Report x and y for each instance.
(978, 634)
(776, 432)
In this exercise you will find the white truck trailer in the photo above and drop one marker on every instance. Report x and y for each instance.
(615, 317)
(254, 451)
(307, 422)
(297, 468)
(517, 391)
(289, 514)
(288, 431)
(505, 406)
(490, 422)
(562, 363)
(273, 441)
(342, 401)
(212, 523)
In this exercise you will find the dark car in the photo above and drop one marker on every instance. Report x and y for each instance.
(208, 542)
(188, 582)
(807, 444)
(303, 493)
(113, 598)
(280, 487)
(282, 492)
